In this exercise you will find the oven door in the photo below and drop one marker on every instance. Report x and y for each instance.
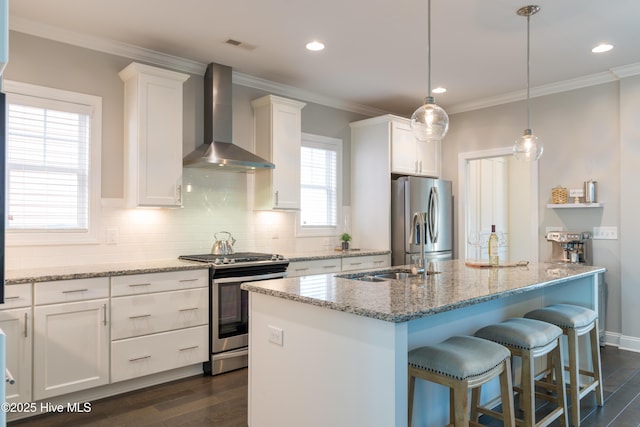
(230, 311)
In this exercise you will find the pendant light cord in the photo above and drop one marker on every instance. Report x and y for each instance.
(429, 47)
(528, 73)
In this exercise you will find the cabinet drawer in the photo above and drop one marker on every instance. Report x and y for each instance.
(137, 315)
(71, 290)
(136, 284)
(16, 296)
(364, 262)
(136, 357)
(320, 266)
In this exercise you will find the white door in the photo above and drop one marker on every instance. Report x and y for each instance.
(71, 347)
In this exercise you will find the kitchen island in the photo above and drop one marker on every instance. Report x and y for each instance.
(332, 350)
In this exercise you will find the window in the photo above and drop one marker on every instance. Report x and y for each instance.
(320, 185)
(53, 165)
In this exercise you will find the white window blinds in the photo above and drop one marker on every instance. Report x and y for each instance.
(319, 184)
(47, 164)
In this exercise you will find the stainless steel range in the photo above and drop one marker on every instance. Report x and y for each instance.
(229, 305)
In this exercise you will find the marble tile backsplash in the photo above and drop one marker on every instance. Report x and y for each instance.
(218, 201)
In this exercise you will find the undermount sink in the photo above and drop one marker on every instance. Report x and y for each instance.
(384, 276)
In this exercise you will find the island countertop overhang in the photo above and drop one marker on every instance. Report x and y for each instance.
(454, 286)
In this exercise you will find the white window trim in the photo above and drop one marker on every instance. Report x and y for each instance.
(325, 231)
(57, 237)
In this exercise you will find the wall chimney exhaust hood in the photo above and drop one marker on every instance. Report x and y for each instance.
(218, 151)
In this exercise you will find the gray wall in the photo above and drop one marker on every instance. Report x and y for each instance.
(580, 132)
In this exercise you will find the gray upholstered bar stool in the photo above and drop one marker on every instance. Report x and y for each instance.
(576, 321)
(462, 363)
(530, 339)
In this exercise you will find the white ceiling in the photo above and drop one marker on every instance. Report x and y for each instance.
(376, 50)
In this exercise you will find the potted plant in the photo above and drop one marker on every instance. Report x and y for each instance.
(346, 238)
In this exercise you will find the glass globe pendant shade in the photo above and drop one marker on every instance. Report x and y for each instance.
(429, 122)
(528, 147)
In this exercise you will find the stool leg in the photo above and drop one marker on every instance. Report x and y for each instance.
(475, 402)
(460, 403)
(574, 376)
(506, 393)
(528, 396)
(412, 384)
(558, 366)
(595, 360)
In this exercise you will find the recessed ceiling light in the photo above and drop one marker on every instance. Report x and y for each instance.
(315, 45)
(439, 90)
(602, 47)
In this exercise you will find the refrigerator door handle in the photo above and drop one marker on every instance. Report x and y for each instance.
(434, 226)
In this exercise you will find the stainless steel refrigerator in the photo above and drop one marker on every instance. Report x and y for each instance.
(416, 201)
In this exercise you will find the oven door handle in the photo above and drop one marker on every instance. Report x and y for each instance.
(249, 278)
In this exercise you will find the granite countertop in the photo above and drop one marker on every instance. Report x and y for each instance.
(455, 286)
(310, 256)
(46, 274)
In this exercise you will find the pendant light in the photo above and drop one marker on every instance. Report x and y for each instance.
(429, 122)
(528, 147)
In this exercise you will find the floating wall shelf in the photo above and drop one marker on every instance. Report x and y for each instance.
(574, 205)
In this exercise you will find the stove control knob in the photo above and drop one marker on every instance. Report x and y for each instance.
(232, 261)
(225, 260)
(217, 261)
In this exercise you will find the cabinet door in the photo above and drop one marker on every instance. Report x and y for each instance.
(153, 123)
(428, 155)
(16, 325)
(403, 148)
(71, 347)
(160, 142)
(287, 134)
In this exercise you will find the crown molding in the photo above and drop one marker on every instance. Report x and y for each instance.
(563, 86)
(614, 74)
(303, 95)
(106, 46)
(626, 71)
(177, 64)
(193, 67)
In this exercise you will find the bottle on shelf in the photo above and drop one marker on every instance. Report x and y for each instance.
(493, 247)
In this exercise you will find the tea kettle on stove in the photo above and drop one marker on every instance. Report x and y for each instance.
(223, 246)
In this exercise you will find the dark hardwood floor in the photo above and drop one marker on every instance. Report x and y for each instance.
(221, 401)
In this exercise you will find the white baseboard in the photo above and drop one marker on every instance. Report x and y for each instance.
(622, 342)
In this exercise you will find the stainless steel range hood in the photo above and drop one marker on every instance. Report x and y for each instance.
(218, 151)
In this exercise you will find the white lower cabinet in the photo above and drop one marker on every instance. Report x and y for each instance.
(71, 347)
(320, 266)
(16, 318)
(365, 262)
(16, 324)
(336, 265)
(135, 357)
(160, 322)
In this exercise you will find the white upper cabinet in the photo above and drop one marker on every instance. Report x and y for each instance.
(153, 135)
(410, 156)
(278, 134)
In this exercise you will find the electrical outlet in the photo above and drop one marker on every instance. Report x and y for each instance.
(275, 335)
(112, 235)
(605, 233)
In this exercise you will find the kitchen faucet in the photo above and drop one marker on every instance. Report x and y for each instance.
(419, 220)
